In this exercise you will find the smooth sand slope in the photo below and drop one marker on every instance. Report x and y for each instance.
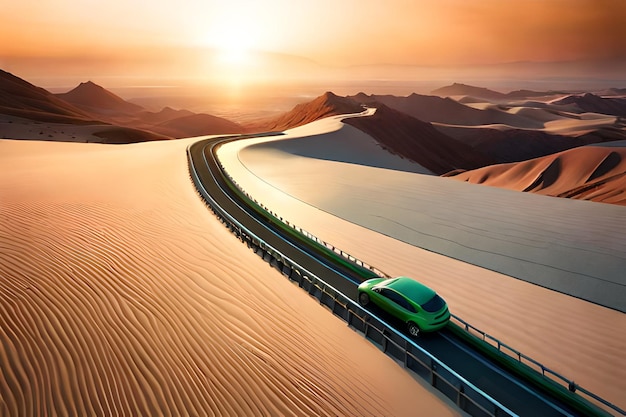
(596, 173)
(385, 217)
(121, 294)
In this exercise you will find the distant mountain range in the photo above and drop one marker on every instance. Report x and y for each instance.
(457, 89)
(91, 104)
(487, 137)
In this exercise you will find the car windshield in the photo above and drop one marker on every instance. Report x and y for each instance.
(434, 304)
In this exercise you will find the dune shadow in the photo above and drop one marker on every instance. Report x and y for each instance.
(547, 177)
(611, 161)
(335, 149)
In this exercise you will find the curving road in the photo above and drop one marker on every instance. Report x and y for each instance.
(510, 391)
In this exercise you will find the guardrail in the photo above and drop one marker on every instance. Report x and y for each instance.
(533, 364)
(501, 347)
(396, 345)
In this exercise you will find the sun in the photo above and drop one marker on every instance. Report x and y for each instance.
(233, 40)
(234, 47)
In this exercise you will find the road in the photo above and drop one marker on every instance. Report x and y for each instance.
(507, 389)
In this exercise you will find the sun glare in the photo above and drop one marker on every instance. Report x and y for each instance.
(234, 57)
(233, 46)
(232, 37)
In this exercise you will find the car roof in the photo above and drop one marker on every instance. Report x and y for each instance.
(411, 289)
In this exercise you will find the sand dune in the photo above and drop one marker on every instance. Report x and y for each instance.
(328, 104)
(495, 133)
(449, 111)
(619, 92)
(418, 141)
(121, 294)
(426, 108)
(539, 114)
(349, 145)
(470, 93)
(589, 173)
(591, 103)
(515, 145)
(386, 217)
(12, 127)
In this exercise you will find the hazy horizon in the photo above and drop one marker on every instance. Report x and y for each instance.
(236, 45)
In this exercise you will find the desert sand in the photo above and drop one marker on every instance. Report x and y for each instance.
(594, 172)
(386, 217)
(537, 118)
(13, 127)
(121, 294)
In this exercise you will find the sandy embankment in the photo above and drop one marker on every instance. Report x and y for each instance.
(121, 294)
(371, 212)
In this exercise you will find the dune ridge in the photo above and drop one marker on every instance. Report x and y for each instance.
(595, 173)
(592, 103)
(123, 295)
(418, 141)
(446, 110)
(326, 105)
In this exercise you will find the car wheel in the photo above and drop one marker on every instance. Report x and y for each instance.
(414, 329)
(364, 299)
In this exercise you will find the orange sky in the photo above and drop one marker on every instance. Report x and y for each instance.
(101, 33)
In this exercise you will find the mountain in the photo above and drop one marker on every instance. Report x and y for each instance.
(168, 122)
(52, 118)
(596, 173)
(95, 99)
(328, 104)
(418, 141)
(196, 125)
(22, 99)
(167, 113)
(458, 89)
(594, 104)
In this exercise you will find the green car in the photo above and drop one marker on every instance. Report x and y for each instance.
(415, 304)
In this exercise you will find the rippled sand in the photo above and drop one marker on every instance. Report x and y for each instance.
(121, 294)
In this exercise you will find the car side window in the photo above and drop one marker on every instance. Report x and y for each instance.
(397, 298)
